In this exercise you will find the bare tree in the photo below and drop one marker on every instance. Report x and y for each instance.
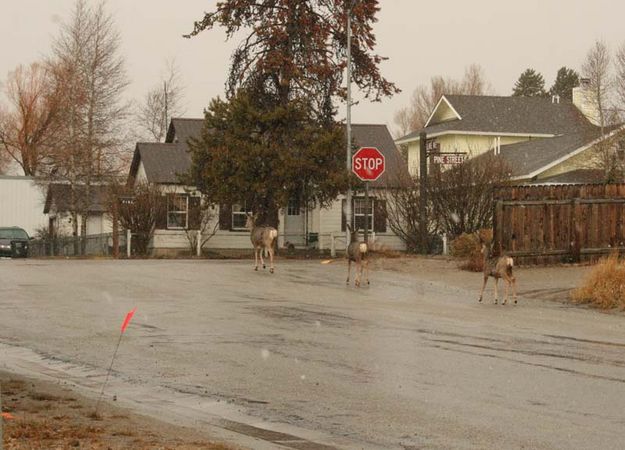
(424, 98)
(161, 103)
(93, 115)
(620, 75)
(596, 69)
(28, 129)
(138, 209)
(403, 214)
(202, 223)
(461, 196)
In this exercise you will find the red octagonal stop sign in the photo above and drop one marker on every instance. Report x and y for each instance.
(368, 163)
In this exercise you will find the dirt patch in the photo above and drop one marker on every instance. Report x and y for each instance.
(40, 415)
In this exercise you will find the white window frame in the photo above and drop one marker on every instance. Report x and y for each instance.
(293, 208)
(362, 214)
(179, 212)
(239, 213)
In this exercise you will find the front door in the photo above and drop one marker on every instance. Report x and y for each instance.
(294, 225)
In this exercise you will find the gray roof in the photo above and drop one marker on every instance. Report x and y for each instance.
(518, 115)
(181, 129)
(579, 176)
(60, 194)
(164, 163)
(378, 136)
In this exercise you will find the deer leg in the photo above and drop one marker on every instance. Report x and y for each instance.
(367, 271)
(507, 288)
(349, 269)
(358, 273)
(483, 287)
(271, 259)
(261, 250)
(496, 293)
(513, 280)
(255, 258)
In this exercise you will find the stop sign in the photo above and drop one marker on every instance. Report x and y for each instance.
(368, 163)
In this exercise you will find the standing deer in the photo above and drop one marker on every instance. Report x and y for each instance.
(357, 252)
(497, 268)
(263, 238)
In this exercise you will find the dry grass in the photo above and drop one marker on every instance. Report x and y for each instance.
(48, 416)
(605, 285)
(468, 248)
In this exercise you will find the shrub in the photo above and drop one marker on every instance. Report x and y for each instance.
(467, 247)
(605, 285)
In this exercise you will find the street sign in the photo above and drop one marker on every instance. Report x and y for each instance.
(449, 158)
(368, 163)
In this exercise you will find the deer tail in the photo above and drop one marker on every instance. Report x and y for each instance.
(273, 233)
(363, 248)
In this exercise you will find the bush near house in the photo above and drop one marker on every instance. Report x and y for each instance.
(605, 285)
(467, 247)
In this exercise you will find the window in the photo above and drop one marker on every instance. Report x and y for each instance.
(177, 209)
(359, 214)
(239, 216)
(293, 208)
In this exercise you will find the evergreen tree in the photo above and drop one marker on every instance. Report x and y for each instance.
(257, 152)
(529, 84)
(564, 83)
(275, 139)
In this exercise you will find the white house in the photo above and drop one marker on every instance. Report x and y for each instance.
(163, 163)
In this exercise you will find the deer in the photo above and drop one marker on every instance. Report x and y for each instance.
(263, 238)
(499, 267)
(358, 253)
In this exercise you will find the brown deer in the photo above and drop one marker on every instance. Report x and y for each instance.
(263, 238)
(497, 268)
(358, 253)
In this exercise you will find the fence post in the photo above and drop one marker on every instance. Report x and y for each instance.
(332, 246)
(498, 227)
(199, 243)
(575, 231)
(445, 244)
(128, 242)
(1, 421)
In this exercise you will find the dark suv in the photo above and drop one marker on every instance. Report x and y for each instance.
(13, 242)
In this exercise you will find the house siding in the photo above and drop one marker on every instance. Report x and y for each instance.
(22, 203)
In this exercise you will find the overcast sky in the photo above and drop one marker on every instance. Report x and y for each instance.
(420, 38)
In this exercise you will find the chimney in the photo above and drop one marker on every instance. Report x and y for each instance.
(585, 101)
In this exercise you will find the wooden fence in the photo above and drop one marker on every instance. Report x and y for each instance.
(561, 223)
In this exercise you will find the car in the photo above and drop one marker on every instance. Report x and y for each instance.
(13, 242)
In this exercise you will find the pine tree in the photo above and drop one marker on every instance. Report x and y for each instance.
(529, 84)
(565, 81)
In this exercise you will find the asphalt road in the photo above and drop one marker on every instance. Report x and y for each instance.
(299, 360)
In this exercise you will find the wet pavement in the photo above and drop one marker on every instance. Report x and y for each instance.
(299, 360)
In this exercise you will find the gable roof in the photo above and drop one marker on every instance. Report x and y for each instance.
(60, 195)
(525, 116)
(163, 162)
(181, 129)
(528, 159)
(578, 176)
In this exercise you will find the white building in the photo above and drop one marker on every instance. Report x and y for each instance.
(21, 204)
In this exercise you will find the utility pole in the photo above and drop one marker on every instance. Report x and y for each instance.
(423, 189)
(348, 159)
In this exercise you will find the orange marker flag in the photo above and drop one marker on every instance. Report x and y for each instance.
(128, 318)
(7, 416)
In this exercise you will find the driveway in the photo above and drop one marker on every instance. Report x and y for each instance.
(299, 360)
